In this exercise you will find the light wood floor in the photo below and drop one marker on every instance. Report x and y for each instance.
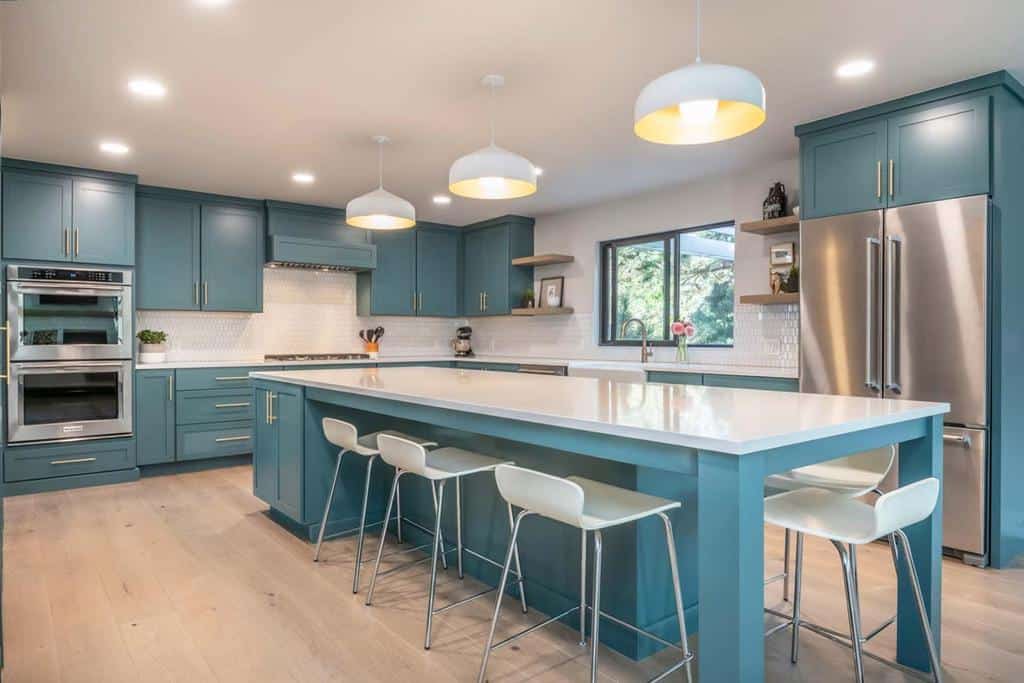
(182, 578)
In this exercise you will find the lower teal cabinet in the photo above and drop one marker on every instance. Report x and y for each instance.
(278, 454)
(675, 377)
(44, 461)
(214, 405)
(154, 416)
(218, 440)
(730, 381)
(492, 367)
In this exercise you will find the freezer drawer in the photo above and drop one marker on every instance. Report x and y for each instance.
(965, 491)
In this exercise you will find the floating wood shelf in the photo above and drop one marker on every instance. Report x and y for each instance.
(542, 260)
(564, 310)
(772, 226)
(769, 299)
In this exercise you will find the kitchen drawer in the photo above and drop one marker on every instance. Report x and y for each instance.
(213, 405)
(493, 367)
(747, 382)
(196, 442)
(672, 377)
(216, 378)
(58, 460)
(414, 364)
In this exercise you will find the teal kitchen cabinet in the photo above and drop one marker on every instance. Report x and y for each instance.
(154, 416)
(939, 151)
(843, 171)
(168, 272)
(56, 213)
(199, 252)
(668, 377)
(491, 284)
(232, 258)
(437, 272)
(392, 285)
(278, 454)
(732, 381)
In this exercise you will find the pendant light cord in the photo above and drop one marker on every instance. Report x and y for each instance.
(492, 114)
(380, 164)
(698, 31)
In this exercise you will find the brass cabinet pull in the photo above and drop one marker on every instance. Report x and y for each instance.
(414, 299)
(878, 180)
(197, 292)
(231, 405)
(72, 461)
(266, 400)
(76, 241)
(231, 438)
(67, 242)
(270, 411)
(892, 167)
(206, 292)
(419, 304)
(230, 379)
(485, 301)
(170, 387)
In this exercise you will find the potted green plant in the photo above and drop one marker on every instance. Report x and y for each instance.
(153, 346)
(528, 299)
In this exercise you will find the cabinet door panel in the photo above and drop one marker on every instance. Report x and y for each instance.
(496, 277)
(154, 400)
(36, 216)
(474, 272)
(394, 279)
(232, 258)
(103, 218)
(437, 272)
(168, 271)
(286, 406)
(844, 170)
(940, 152)
(264, 457)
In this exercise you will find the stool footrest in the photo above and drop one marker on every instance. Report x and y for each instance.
(824, 630)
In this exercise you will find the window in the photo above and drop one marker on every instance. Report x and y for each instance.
(670, 276)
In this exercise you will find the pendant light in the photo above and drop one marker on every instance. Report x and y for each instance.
(492, 172)
(380, 210)
(699, 103)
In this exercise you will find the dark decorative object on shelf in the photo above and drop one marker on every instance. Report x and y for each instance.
(775, 204)
(791, 284)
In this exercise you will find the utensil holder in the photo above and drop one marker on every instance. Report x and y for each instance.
(371, 348)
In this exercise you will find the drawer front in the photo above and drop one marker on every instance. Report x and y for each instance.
(22, 463)
(196, 442)
(414, 364)
(493, 367)
(212, 405)
(745, 382)
(669, 377)
(216, 378)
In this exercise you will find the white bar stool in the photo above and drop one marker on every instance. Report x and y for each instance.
(589, 506)
(345, 436)
(849, 523)
(852, 475)
(438, 467)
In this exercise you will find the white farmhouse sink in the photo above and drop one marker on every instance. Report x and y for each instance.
(619, 371)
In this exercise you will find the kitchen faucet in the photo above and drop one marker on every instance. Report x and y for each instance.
(645, 351)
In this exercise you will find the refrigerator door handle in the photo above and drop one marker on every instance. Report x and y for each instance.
(894, 246)
(870, 378)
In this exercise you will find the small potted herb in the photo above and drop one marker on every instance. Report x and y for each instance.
(528, 299)
(154, 347)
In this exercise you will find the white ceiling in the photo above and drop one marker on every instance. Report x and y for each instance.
(261, 88)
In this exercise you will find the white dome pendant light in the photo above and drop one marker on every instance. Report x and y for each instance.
(492, 172)
(699, 103)
(380, 210)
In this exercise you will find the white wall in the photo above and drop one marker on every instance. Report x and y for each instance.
(765, 335)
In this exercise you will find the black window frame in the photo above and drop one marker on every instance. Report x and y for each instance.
(609, 287)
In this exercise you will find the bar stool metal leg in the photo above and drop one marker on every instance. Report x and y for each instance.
(908, 559)
(362, 525)
(583, 588)
(519, 567)
(595, 621)
(785, 567)
(458, 524)
(327, 507)
(437, 513)
(794, 651)
(677, 590)
(380, 547)
(497, 603)
(398, 520)
(433, 563)
(853, 610)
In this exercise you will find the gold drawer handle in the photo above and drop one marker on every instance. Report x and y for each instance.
(231, 379)
(72, 461)
(231, 438)
(232, 405)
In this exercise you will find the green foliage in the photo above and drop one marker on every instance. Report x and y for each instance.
(640, 276)
(152, 336)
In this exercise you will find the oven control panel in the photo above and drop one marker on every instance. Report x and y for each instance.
(69, 275)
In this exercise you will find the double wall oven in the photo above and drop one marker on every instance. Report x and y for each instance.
(69, 349)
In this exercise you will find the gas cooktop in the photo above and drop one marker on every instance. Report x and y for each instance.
(317, 356)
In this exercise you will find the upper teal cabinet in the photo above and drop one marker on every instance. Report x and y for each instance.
(54, 213)
(939, 152)
(491, 284)
(417, 273)
(199, 252)
(893, 155)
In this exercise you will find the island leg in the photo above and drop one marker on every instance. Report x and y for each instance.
(919, 459)
(730, 523)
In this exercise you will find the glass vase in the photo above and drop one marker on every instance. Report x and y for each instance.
(681, 349)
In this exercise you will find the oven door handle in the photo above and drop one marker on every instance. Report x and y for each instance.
(48, 368)
(55, 288)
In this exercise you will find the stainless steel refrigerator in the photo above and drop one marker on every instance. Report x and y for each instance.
(893, 303)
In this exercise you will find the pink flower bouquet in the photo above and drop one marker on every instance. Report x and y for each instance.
(683, 330)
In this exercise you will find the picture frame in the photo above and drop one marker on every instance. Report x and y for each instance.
(551, 293)
(783, 254)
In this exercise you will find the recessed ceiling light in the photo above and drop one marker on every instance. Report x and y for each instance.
(442, 199)
(303, 177)
(148, 88)
(211, 3)
(112, 147)
(538, 170)
(855, 68)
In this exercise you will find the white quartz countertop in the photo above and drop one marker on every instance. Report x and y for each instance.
(595, 364)
(712, 418)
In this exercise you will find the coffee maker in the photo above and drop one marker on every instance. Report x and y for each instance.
(461, 344)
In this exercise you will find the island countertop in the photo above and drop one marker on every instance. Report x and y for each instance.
(736, 421)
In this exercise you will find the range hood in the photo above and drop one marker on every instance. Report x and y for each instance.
(315, 237)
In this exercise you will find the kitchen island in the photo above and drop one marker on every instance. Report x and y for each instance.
(710, 447)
